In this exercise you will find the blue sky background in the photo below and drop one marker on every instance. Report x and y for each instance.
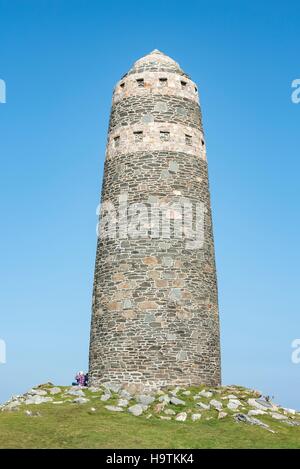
(60, 61)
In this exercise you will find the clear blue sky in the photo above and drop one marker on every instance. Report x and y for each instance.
(60, 61)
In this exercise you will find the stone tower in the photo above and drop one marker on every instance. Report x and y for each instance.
(155, 315)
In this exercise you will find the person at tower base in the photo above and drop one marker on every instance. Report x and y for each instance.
(80, 379)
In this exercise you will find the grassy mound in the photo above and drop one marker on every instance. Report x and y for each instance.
(67, 424)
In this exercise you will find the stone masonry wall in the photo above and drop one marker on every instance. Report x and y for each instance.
(155, 305)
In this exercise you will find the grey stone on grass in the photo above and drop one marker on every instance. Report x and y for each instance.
(216, 404)
(125, 394)
(251, 421)
(170, 412)
(114, 387)
(36, 399)
(145, 399)
(203, 406)
(75, 392)
(55, 390)
(114, 408)
(174, 400)
(38, 392)
(123, 402)
(80, 400)
(277, 416)
(136, 410)
(256, 412)
(181, 417)
(204, 393)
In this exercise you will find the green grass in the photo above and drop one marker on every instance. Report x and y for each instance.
(71, 425)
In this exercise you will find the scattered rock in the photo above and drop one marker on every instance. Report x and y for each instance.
(145, 399)
(37, 392)
(196, 417)
(29, 413)
(174, 400)
(260, 404)
(114, 387)
(216, 404)
(36, 399)
(234, 404)
(203, 406)
(105, 397)
(92, 409)
(257, 412)
(134, 389)
(94, 389)
(55, 390)
(186, 393)
(292, 423)
(250, 420)
(170, 412)
(81, 400)
(163, 417)
(14, 405)
(125, 394)
(164, 398)
(75, 392)
(289, 411)
(181, 417)
(114, 408)
(159, 407)
(205, 393)
(123, 402)
(278, 416)
(136, 409)
(222, 415)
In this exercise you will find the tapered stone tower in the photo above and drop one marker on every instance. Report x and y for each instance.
(155, 315)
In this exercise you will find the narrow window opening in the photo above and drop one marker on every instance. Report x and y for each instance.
(202, 141)
(117, 141)
(122, 86)
(163, 81)
(164, 136)
(183, 84)
(196, 89)
(188, 139)
(138, 136)
(140, 82)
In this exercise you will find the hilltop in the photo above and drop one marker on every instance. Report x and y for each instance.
(49, 416)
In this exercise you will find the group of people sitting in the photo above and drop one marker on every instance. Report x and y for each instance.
(82, 379)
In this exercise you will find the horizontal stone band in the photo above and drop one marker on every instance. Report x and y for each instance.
(141, 137)
(156, 83)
